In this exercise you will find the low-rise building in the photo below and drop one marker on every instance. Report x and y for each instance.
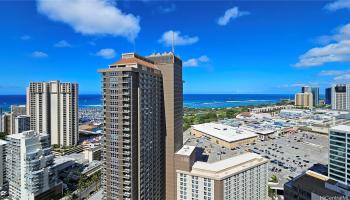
(92, 152)
(309, 186)
(227, 136)
(240, 177)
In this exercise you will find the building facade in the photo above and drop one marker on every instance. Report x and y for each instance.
(22, 123)
(134, 142)
(28, 161)
(3, 175)
(305, 89)
(341, 97)
(328, 96)
(240, 177)
(53, 109)
(339, 151)
(304, 100)
(171, 69)
(315, 96)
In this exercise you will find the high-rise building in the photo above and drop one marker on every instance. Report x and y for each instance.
(1, 121)
(315, 96)
(305, 89)
(143, 113)
(134, 142)
(315, 93)
(3, 175)
(53, 109)
(22, 123)
(8, 119)
(339, 151)
(304, 99)
(171, 69)
(28, 166)
(341, 97)
(328, 96)
(6, 123)
(244, 176)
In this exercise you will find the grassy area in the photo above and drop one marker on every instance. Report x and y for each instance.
(204, 115)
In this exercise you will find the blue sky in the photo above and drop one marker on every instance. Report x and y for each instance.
(227, 46)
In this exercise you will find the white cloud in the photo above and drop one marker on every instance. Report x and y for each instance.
(62, 44)
(106, 53)
(342, 77)
(194, 62)
(338, 75)
(230, 14)
(167, 9)
(179, 40)
(92, 17)
(335, 49)
(39, 54)
(339, 4)
(335, 52)
(333, 72)
(25, 37)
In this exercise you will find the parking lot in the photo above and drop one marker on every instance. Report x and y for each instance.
(289, 155)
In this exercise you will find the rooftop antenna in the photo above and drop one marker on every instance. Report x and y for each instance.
(172, 45)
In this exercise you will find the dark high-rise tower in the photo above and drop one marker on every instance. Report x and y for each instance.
(142, 101)
(328, 96)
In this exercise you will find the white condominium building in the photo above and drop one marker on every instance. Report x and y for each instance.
(28, 165)
(53, 109)
(242, 177)
(3, 176)
(340, 97)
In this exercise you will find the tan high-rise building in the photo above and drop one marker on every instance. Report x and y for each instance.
(143, 126)
(171, 68)
(304, 100)
(53, 109)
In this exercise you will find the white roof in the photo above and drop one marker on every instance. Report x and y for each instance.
(186, 150)
(224, 132)
(228, 167)
(2, 142)
(341, 128)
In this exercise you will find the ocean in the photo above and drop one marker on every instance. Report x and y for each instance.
(190, 100)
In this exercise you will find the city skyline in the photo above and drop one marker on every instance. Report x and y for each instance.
(247, 42)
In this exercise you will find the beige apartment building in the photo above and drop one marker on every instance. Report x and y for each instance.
(304, 100)
(142, 99)
(244, 176)
(8, 119)
(53, 109)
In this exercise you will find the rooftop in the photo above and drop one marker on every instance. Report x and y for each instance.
(132, 58)
(315, 183)
(186, 150)
(342, 128)
(2, 142)
(224, 132)
(223, 168)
